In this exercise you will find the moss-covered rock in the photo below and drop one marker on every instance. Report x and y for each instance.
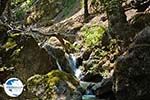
(52, 86)
(92, 34)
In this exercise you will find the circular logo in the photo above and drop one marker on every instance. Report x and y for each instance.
(13, 87)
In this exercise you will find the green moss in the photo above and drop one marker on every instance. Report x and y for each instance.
(52, 79)
(92, 35)
(47, 84)
(55, 76)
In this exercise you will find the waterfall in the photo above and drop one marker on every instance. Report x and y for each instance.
(58, 65)
(71, 58)
(73, 64)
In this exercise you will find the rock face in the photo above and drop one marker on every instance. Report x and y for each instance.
(59, 58)
(132, 73)
(32, 60)
(22, 53)
(140, 21)
(92, 77)
(56, 85)
(104, 89)
(140, 5)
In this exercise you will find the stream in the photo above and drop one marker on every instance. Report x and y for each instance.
(90, 88)
(89, 94)
(73, 64)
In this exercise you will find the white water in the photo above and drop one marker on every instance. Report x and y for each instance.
(58, 65)
(70, 57)
(73, 63)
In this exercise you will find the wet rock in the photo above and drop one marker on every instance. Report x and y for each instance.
(103, 89)
(79, 61)
(132, 72)
(77, 93)
(59, 58)
(56, 85)
(91, 77)
(28, 58)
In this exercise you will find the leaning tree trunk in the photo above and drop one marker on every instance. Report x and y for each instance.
(116, 18)
(2, 6)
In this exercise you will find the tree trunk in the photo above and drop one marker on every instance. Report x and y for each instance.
(2, 6)
(86, 12)
(116, 18)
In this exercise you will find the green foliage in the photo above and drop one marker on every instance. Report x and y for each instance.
(21, 7)
(68, 6)
(92, 35)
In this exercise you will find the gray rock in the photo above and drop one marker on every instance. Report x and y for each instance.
(132, 72)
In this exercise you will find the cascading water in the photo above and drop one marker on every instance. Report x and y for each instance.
(89, 94)
(59, 67)
(71, 58)
(73, 64)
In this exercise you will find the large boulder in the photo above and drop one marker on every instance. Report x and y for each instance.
(23, 53)
(132, 72)
(32, 59)
(56, 85)
(103, 89)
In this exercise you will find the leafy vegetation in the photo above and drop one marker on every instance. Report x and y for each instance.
(69, 5)
(92, 35)
(21, 7)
